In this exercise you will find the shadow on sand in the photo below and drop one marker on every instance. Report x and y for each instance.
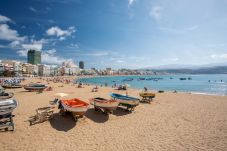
(63, 123)
(121, 111)
(96, 116)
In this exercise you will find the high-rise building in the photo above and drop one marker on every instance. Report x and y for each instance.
(81, 65)
(34, 57)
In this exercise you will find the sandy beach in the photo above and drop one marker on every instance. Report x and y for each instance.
(173, 121)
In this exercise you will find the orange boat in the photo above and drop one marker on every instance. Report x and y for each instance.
(76, 106)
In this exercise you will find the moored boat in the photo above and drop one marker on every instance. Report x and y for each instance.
(76, 106)
(104, 104)
(35, 87)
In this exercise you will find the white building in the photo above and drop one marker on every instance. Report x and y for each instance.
(44, 70)
(29, 69)
(69, 68)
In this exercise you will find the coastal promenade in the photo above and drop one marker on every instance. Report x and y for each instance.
(173, 121)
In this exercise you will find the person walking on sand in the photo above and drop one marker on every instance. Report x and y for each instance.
(145, 89)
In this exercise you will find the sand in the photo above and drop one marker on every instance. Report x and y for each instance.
(173, 121)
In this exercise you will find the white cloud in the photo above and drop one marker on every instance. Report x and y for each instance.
(174, 59)
(179, 31)
(4, 19)
(32, 46)
(156, 12)
(73, 45)
(9, 34)
(33, 9)
(219, 56)
(131, 2)
(96, 54)
(62, 34)
(192, 28)
(49, 57)
(120, 61)
(14, 44)
(22, 52)
(51, 51)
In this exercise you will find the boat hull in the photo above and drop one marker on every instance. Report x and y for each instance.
(147, 94)
(35, 87)
(12, 86)
(129, 102)
(7, 106)
(125, 99)
(80, 110)
(10, 95)
(105, 104)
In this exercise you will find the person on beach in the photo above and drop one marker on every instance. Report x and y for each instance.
(145, 89)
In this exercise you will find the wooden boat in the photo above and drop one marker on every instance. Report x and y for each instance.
(147, 97)
(5, 95)
(35, 87)
(12, 86)
(147, 94)
(107, 106)
(76, 106)
(7, 106)
(129, 102)
(123, 99)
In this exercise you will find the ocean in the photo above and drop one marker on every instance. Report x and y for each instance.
(214, 84)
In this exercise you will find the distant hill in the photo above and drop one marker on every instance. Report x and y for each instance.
(202, 70)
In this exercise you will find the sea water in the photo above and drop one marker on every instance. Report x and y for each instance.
(207, 83)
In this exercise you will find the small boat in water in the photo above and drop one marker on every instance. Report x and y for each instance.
(76, 106)
(105, 105)
(127, 79)
(35, 87)
(183, 78)
(7, 106)
(129, 102)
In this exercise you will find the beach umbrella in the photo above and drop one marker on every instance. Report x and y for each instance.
(60, 95)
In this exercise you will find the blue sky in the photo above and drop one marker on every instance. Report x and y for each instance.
(115, 33)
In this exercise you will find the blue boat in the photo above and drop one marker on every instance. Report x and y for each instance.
(129, 102)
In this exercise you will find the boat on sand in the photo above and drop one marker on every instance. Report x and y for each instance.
(7, 106)
(105, 105)
(147, 94)
(5, 95)
(35, 87)
(127, 101)
(76, 106)
(11, 86)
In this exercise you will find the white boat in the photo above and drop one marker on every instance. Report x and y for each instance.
(105, 104)
(7, 106)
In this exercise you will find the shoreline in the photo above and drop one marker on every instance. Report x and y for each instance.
(153, 90)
